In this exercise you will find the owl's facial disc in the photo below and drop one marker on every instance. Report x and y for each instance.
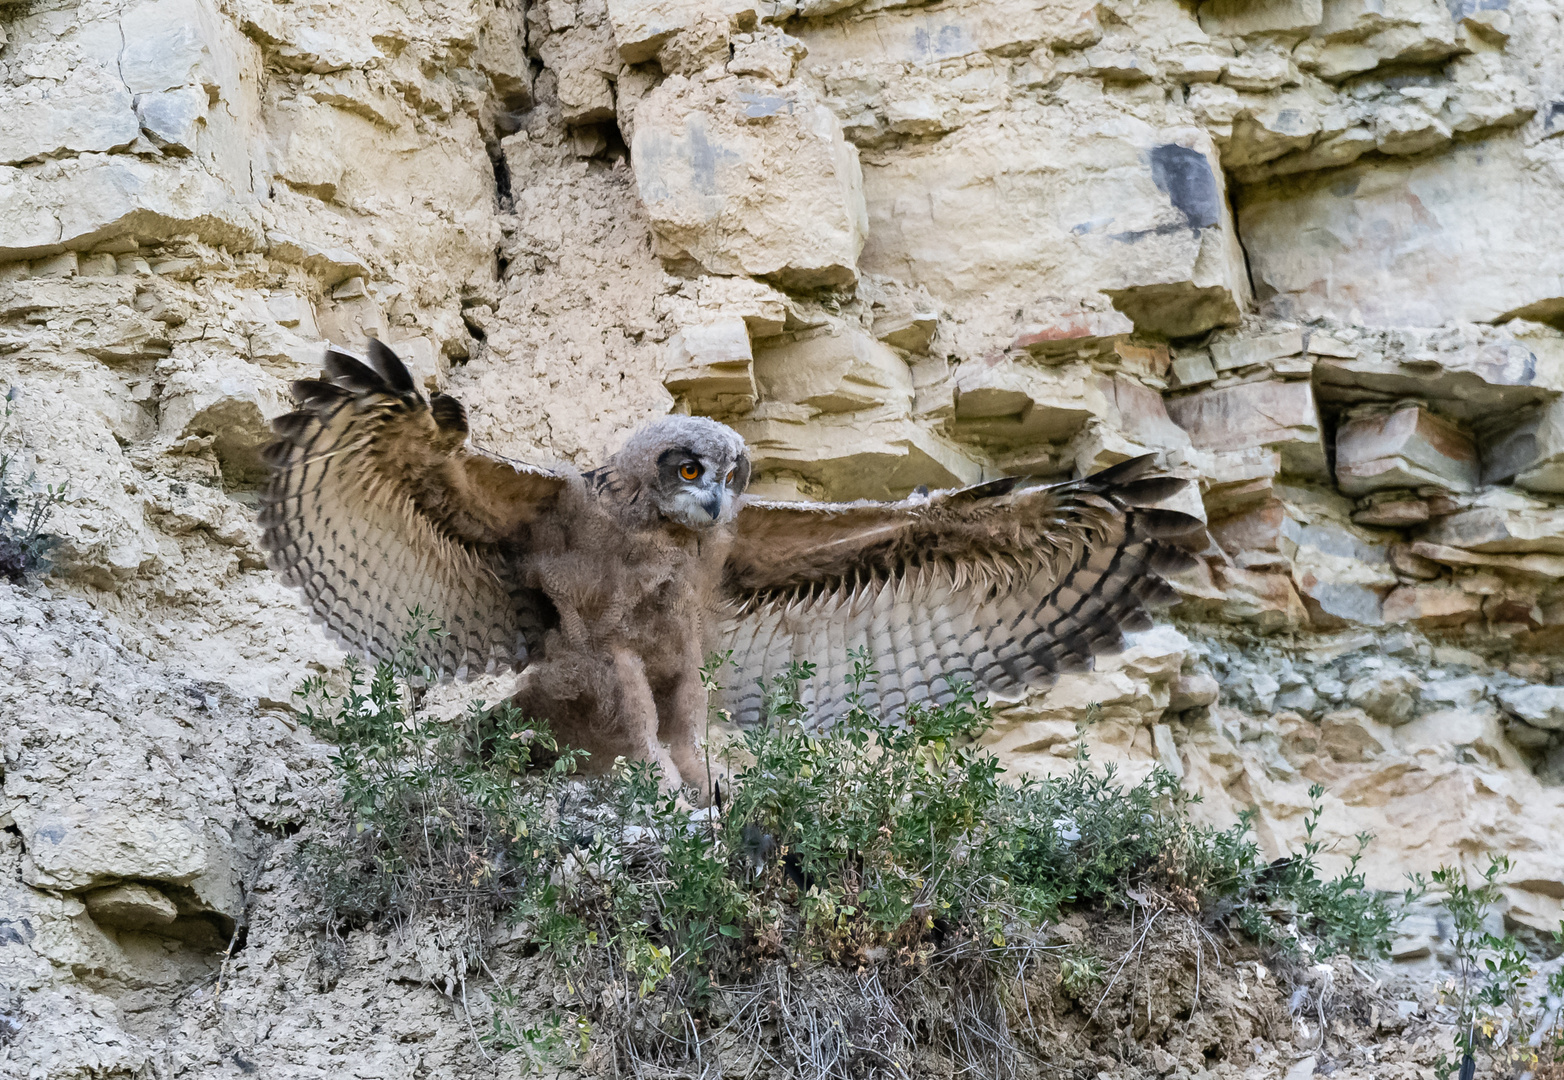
(698, 491)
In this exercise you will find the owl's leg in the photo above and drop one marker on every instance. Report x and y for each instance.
(637, 722)
(681, 718)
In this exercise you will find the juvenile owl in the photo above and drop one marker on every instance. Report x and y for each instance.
(608, 587)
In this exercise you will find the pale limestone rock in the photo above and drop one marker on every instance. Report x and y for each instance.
(756, 181)
(771, 56)
(1165, 255)
(1481, 378)
(229, 399)
(1462, 692)
(1193, 692)
(1192, 369)
(1409, 447)
(583, 61)
(131, 906)
(1449, 730)
(1430, 605)
(1266, 17)
(1350, 736)
(1387, 694)
(841, 369)
(1127, 693)
(1501, 522)
(88, 111)
(83, 201)
(1550, 567)
(332, 264)
(912, 331)
(1531, 455)
(1393, 509)
(1408, 129)
(1277, 415)
(293, 311)
(641, 27)
(167, 45)
(1234, 353)
(1004, 402)
(75, 1031)
(103, 533)
(1237, 480)
(851, 457)
(711, 367)
(1540, 706)
(1267, 600)
(306, 162)
(1466, 245)
(1340, 576)
(1083, 332)
(75, 847)
(1259, 70)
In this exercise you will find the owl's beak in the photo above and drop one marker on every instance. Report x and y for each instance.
(712, 502)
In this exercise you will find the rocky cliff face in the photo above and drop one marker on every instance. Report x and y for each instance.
(1301, 249)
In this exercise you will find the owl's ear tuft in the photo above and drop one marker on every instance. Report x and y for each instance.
(389, 366)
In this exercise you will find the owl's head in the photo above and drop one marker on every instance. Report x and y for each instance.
(695, 469)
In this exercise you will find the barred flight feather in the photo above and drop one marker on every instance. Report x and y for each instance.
(375, 508)
(997, 585)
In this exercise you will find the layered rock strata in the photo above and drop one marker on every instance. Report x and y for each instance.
(1298, 249)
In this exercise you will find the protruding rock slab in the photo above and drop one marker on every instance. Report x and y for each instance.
(1275, 414)
(1424, 242)
(1122, 209)
(711, 367)
(742, 177)
(78, 202)
(1406, 448)
(1531, 455)
(131, 906)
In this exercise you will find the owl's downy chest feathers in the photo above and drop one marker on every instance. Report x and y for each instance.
(619, 575)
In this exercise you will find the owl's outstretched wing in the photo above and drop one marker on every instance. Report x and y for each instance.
(376, 506)
(999, 585)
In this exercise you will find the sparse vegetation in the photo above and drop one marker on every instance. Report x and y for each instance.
(865, 891)
(1504, 1012)
(25, 507)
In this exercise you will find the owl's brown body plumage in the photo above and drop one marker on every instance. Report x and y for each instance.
(609, 587)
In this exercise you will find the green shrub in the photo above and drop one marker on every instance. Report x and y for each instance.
(889, 844)
(1501, 1012)
(25, 508)
(442, 817)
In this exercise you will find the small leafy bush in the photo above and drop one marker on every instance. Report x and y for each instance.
(1503, 1011)
(1287, 903)
(25, 508)
(442, 817)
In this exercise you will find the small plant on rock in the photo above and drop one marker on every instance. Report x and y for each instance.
(1501, 1011)
(441, 816)
(25, 508)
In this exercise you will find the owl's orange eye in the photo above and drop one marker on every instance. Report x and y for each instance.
(689, 471)
(729, 478)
